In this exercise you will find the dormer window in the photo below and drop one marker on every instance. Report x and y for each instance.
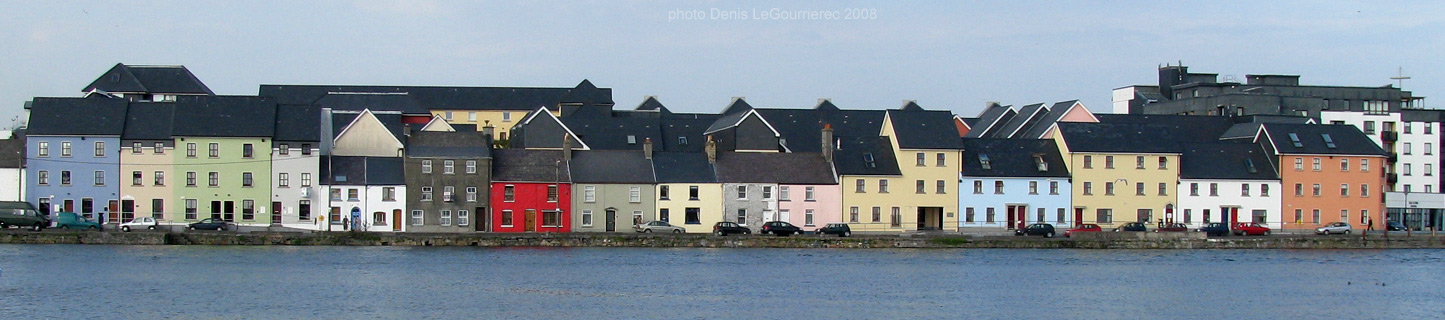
(631, 139)
(1329, 142)
(1039, 162)
(682, 140)
(868, 160)
(984, 163)
(1294, 139)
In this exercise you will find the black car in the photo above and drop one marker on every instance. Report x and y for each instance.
(1394, 226)
(1215, 229)
(1132, 226)
(208, 224)
(840, 229)
(727, 228)
(780, 228)
(1037, 229)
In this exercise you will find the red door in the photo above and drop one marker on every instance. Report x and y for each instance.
(1021, 214)
(1078, 216)
(1234, 215)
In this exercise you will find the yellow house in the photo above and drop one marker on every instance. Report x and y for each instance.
(508, 106)
(688, 193)
(1121, 172)
(905, 180)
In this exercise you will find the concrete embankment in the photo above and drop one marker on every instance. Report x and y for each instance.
(1083, 241)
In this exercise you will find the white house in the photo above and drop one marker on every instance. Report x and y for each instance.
(1226, 182)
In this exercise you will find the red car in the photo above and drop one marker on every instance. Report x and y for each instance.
(1173, 227)
(1083, 228)
(1250, 229)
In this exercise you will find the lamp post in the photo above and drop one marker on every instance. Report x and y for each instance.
(557, 185)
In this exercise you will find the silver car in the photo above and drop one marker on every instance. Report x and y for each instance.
(657, 226)
(1334, 227)
(140, 222)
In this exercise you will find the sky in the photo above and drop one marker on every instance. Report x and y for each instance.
(695, 56)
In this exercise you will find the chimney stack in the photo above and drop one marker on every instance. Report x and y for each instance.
(487, 127)
(406, 129)
(647, 148)
(827, 142)
(711, 149)
(567, 148)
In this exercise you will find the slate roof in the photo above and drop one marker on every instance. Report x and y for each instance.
(992, 117)
(438, 98)
(911, 106)
(151, 79)
(1223, 160)
(766, 167)
(1012, 158)
(925, 129)
(611, 167)
(826, 105)
(971, 122)
(385, 171)
(1121, 137)
(728, 120)
(370, 171)
(225, 116)
(357, 101)
(95, 115)
(1347, 138)
(587, 93)
(738, 105)
(298, 123)
(803, 128)
(1183, 128)
(651, 103)
(851, 156)
(611, 133)
(149, 121)
(459, 144)
(683, 167)
(1241, 131)
(1027, 115)
(518, 165)
(688, 125)
(1038, 128)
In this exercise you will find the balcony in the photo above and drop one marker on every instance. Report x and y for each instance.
(1392, 157)
(1392, 177)
(1389, 136)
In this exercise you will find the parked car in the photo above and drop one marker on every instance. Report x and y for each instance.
(1394, 226)
(1215, 229)
(208, 224)
(21, 214)
(1087, 227)
(1173, 227)
(1132, 226)
(780, 228)
(657, 226)
(1334, 227)
(142, 222)
(71, 220)
(1250, 229)
(840, 229)
(1037, 229)
(726, 228)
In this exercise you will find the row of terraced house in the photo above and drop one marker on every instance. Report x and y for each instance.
(155, 141)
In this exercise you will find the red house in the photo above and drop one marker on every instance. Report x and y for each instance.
(531, 191)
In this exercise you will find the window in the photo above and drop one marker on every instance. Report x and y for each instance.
(1263, 190)
(248, 209)
(305, 179)
(663, 192)
(809, 194)
(191, 150)
(1194, 189)
(941, 159)
(509, 193)
(692, 215)
(471, 166)
(1299, 164)
(692, 193)
(215, 150)
(586, 218)
(99, 149)
(998, 187)
(1407, 127)
(284, 149)
(1345, 165)
(506, 117)
(1299, 189)
(1139, 188)
(877, 214)
(1163, 189)
(426, 166)
(1105, 215)
(1088, 162)
(336, 194)
(305, 149)
(135, 148)
(246, 179)
(1054, 187)
(248, 151)
(1163, 163)
(589, 194)
(43, 149)
(304, 206)
(1369, 127)
(388, 193)
(353, 194)
(446, 217)
(283, 180)
(447, 115)
(988, 214)
(921, 161)
(767, 192)
(663, 214)
(99, 178)
(1344, 190)
(978, 187)
(552, 193)
(896, 220)
(472, 116)
(1407, 148)
(882, 185)
(939, 188)
(1429, 169)
(1364, 190)
(507, 218)
(1244, 189)
(65, 177)
(1088, 188)
(1365, 165)
(1108, 162)
(743, 216)
(1188, 215)
(808, 218)
(159, 148)
(426, 193)
(190, 178)
(1109, 188)
(416, 217)
(42, 177)
(471, 194)
(190, 209)
(1316, 216)
(1213, 189)
(1407, 169)
(919, 186)
(1429, 148)
(859, 186)
(447, 167)
(742, 192)
(853, 214)
(682, 140)
(1041, 213)
(158, 208)
(1316, 190)
(65, 149)
(1033, 187)
(634, 195)
(1315, 164)
(135, 178)
(1140, 162)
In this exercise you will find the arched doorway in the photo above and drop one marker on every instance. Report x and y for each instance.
(355, 218)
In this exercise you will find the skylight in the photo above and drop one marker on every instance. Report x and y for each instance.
(1329, 142)
(1249, 165)
(1039, 162)
(983, 162)
(631, 139)
(868, 160)
(1294, 138)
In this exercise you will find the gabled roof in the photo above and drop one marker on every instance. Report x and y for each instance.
(650, 104)
(1242, 131)
(1012, 158)
(736, 106)
(611, 167)
(371, 171)
(342, 121)
(1224, 160)
(148, 79)
(149, 121)
(298, 123)
(225, 116)
(826, 105)
(586, 93)
(93, 116)
(438, 98)
(519, 165)
(1027, 115)
(683, 167)
(782, 168)
(992, 117)
(376, 102)
(803, 128)
(543, 113)
(451, 144)
(1347, 139)
(1055, 113)
(924, 129)
(854, 153)
(911, 105)
(437, 124)
(735, 119)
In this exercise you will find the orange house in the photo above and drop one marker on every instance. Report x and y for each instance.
(1329, 173)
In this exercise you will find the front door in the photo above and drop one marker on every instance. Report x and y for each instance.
(611, 220)
(114, 209)
(529, 220)
(228, 210)
(396, 220)
(276, 212)
(486, 220)
(1017, 216)
(1078, 216)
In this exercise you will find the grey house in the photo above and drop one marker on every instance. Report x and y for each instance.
(612, 190)
(753, 184)
(449, 175)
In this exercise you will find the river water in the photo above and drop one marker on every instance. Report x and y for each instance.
(280, 282)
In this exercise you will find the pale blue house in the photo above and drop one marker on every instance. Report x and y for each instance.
(73, 155)
(1009, 183)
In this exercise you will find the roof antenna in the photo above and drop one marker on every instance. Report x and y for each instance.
(1400, 78)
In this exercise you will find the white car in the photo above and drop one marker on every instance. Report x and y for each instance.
(141, 222)
(1334, 227)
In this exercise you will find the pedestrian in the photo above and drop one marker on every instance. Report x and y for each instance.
(345, 224)
(1369, 224)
